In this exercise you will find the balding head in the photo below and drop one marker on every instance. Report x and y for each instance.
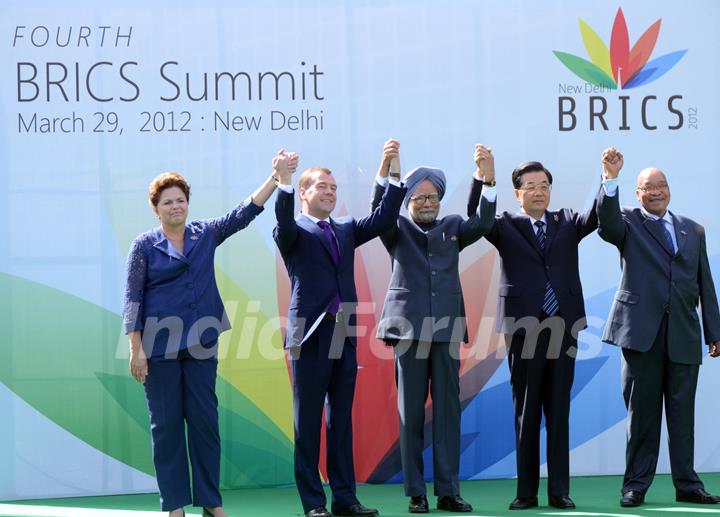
(653, 191)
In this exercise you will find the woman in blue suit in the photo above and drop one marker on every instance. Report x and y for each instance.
(173, 316)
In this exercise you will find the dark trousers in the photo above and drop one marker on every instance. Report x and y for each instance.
(417, 367)
(542, 385)
(181, 391)
(648, 378)
(324, 376)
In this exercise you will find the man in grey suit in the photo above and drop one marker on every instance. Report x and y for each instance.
(665, 273)
(424, 319)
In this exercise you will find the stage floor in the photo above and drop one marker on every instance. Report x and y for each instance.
(593, 496)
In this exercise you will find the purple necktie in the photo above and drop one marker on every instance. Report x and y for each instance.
(327, 231)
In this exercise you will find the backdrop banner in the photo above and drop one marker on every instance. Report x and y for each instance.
(97, 99)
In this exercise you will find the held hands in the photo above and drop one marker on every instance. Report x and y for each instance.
(391, 151)
(284, 165)
(714, 349)
(612, 161)
(485, 162)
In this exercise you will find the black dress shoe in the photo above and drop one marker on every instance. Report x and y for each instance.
(523, 503)
(699, 496)
(357, 509)
(453, 503)
(561, 501)
(632, 498)
(318, 512)
(418, 504)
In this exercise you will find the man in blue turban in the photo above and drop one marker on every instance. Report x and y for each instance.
(423, 318)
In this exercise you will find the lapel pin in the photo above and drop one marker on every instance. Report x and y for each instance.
(193, 237)
(683, 232)
(453, 238)
(557, 219)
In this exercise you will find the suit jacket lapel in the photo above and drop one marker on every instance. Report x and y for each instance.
(524, 225)
(313, 228)
(189, 240)
(552, 221)
(336, 231)
(162, 244)
(654, 228)
(681, 233)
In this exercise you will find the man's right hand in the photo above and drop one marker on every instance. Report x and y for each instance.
(612, 161)
(391, 150)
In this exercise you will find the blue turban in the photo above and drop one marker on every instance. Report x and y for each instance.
(418, 175)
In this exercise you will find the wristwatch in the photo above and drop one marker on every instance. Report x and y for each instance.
(490, 183)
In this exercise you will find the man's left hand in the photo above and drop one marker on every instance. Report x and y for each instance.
(714, 348)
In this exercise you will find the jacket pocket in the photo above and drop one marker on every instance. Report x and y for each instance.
(508, 291)
(626, 297)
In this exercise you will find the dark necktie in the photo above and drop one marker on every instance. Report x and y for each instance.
(550, 302)
(668, 237)
(335, 252)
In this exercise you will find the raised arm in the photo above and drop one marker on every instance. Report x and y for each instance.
(611, 226)
(390, 160)
(482, 218)
(285, 232)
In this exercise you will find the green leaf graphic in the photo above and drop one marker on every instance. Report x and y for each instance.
(586, 70)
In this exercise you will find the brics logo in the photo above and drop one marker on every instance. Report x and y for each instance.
(619, 67)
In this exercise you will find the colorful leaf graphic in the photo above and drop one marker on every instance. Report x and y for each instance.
(586, 70)
(619, 48)
(655, 69)
(642, 50)
(628, 69)
(596, 48)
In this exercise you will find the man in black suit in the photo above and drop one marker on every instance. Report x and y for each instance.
(319, 254)
(665, 274)
(540, 311)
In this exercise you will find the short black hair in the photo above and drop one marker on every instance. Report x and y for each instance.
(526, 167)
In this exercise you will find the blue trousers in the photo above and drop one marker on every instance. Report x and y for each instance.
(322, 381)
(181, 391)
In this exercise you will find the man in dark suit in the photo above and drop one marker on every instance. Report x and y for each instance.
(540, 311)
(424, 319)
(319, 255)
(665, 273)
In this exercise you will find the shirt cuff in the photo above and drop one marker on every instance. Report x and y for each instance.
(286, 188)
(489, 193)
(610, 186)
(384, 180)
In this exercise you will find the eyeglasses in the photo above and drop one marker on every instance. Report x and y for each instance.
(654, 188)
(421, 198)
(531, 187)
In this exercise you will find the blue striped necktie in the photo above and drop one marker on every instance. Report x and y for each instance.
(550, 302)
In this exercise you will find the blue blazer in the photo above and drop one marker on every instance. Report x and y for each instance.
(173, 298)
(314, 277)
(425, 281)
